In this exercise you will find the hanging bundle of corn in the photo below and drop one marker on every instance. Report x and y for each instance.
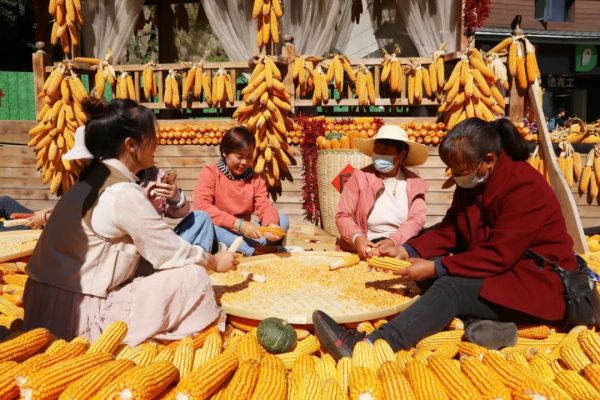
(569, 162)
(522, 61)
(472, 91)
(54, 135)
(437, 71)
(104, 73)
(321, 86)
(338, 66)
(223, 90)
(171, 97)
(365, 88)
(589, 177)
(265, 111)
(125, 87)
(196, 81)
(68, 21)
(392, 73)
(267, 14)
(150, 89)
(302, 73)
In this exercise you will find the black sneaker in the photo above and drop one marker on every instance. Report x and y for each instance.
(492, 334)
(337, 340)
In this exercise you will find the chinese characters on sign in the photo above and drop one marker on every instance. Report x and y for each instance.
(560, 82)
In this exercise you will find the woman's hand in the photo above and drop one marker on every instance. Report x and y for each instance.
(390, 250)
(420, 270)
(37, 220)
(224, 261)
(271, 237)
(250, 230)
(168, 191)
(364, 247)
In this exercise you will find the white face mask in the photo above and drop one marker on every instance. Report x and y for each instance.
(472, 180)
(383, 164)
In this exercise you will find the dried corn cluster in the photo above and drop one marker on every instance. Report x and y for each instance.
(522, 61)
(419, 84)
(303, 73)
(171, 97)
(339, 65)
(197, 82)
(223, 89)
(365, 88)
(265, 112)
(125, 88)
(392, 73)
(388, 263)
(267, 14)
(11, 299)
(68, 21)
(105, 73)
(54, 134)
(150, 88)
(320, 86)
(590, 175)
(473, 90)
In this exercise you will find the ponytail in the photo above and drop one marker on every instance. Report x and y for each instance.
(473, 138)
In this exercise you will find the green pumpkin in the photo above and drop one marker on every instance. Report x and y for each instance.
(276, 336)
(334, 135)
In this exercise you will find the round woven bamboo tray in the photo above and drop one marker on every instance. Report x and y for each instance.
(329, 164)
(296, 303)
(10, 240)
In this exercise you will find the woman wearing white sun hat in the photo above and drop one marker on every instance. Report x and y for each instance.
(383, 203)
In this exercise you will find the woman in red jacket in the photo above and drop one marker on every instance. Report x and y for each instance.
(230, 192)
(501, 208)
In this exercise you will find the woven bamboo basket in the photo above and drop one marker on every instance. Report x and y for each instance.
(329, 165)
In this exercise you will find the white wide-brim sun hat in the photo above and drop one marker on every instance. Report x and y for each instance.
(79, 151)
(417, 153)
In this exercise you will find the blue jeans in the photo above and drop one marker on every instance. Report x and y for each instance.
(247, 248)
(9, 206)
(197, 228)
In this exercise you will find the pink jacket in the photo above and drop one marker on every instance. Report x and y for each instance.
(161, 205)
(359, 196)
(225, 199)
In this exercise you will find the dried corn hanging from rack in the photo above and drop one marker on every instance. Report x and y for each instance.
(392, 72)
(223, 89)
(267, 14)
(68, 21)
(150, 88)
(365, 88)
(171, 95)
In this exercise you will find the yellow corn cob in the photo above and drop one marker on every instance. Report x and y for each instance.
(570, 339)
(577, 166)
(424, 382)
(365, 327)
(569, 176)
(56, 346)
(212, 374)
(448, 350)
(111, 390)
(422, 355)
(272, 380)
(457, 385)
(146, 355)
(249, 348)
(551, 342)
(7, 307)
(483, 69)
(484, 379)
(521, 74)
(426, 83)
(394, 383)
(596, 167)
(556, 366)
(25, 345)
(349, 261)
(344, 367)
(302, 366)
(243, 381)
(501, 46)
(576, 386)
(517, 358)
(88, 385)
(364, 384)
(188, 83)
(15, 279)
(573, 357)
(50, 382)
(590, 344)
(456, 324)
(331, 391)
(383, 352)
(363, 355)
(531, 66)
(271, 229)
(110, 339)
(307, 346)
(434, 341)
(533, 388)
(541, 368)
(311, 386)
(592, 374)
(166, 354)
(184, 357)
(325, 368)
(403, 357)
(388, 263)
(147, 382)
(211, 348)
(513, 53)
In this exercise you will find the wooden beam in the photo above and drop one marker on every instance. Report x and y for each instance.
(38, 60)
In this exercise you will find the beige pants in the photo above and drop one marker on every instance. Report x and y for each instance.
(166, 304)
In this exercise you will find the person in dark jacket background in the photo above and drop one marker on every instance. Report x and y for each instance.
(473, 261)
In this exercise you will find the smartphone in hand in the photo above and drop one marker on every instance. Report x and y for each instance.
(170, 177)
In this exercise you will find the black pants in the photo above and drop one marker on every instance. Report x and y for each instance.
(10, 206)
(446, 298)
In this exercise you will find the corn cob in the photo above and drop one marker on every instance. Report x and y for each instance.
(424, 382)
(184, 357)
(570, 339)
(243, 381)
(388, 263)
(212, 374)
(147, 382)
(422, 355)
(325, 368)
(533, 388)
(304, 365)
(394, 384)
(25, 345)
(110, 339)
(166, 354)
(456, 383)
(50, 382)
(349, 261)
(541, 368)
(434, 341)
(535, 332)
(365, 327)
(331, 391)
(146, 355)
(484, 378)
(15, 279)
(111, 390)
(590, 343)
(249, 348)
(364, 384)
(527, 352)
(403, 357)
(503, 45)
(307, 346)
(277, 231)
(573, 357)
(456, 324)
(383, 352)
(272, 380)
(91, 383)
(344, 368)
(7, 307)
(211, 348)
(576, 386)
(379, 323)
(311, 386)
(448, 350)
(363, 355)
(592, 374)
(518, 358)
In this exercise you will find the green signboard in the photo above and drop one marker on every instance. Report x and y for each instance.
(586, 58)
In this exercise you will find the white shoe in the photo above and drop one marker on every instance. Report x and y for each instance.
(294, 249)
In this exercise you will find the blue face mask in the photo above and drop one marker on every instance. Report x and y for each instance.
(383, 164)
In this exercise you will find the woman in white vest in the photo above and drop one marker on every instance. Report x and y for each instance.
(84, 270)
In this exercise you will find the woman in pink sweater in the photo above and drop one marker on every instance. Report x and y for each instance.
(383, 203)
(230, 192)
